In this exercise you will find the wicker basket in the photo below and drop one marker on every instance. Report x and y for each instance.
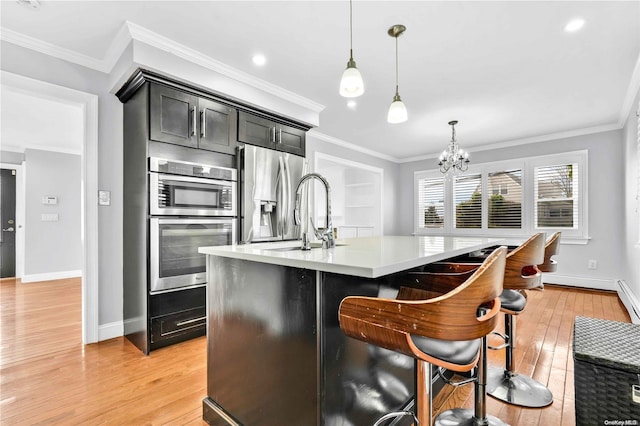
(607, 366)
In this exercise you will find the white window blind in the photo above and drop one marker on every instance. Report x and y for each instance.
(467, 192)
(505, 203)
(430, 203)
(556, 196)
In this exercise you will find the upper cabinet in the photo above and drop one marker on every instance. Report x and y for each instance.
(257, 130)
(185, 115)
(181, 118)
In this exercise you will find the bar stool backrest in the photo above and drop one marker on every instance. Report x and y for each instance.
(551, 248)
(389, 323)
(521, 271)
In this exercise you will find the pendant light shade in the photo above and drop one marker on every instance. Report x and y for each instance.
(397, 111)
(351, 84)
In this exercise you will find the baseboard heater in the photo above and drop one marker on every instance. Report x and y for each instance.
(629, 300)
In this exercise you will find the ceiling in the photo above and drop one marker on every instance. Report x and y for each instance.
(506, 70)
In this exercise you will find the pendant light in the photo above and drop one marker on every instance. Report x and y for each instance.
(351, 84)
(397, 110)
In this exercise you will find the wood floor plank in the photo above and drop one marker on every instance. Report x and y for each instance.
(48, 377)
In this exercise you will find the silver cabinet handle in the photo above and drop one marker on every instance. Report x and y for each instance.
(9, 229)
(193, 121)
(272, 132)
(203, 125)
(279, 135)
(191, 321)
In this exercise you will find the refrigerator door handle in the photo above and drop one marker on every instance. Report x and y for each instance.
(287, 196)
(281, 201)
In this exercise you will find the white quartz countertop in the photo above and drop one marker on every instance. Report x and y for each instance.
(370, 257)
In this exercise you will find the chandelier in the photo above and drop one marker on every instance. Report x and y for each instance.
(453, 159)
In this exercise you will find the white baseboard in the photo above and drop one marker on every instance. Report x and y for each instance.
(110, 330)
(629, 300)
(48, 276)
(584, 282)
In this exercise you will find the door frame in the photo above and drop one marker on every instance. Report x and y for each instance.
(89, 182)
(20, 215)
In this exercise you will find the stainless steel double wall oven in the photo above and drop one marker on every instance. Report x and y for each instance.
(191, 205)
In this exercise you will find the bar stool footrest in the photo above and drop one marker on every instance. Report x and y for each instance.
(394, 414)
(465, 417)
(517, 389)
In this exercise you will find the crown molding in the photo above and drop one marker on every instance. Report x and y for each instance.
(525, 141)
(52, 50)
(130, 31)
(319, 135)
(632, 92)
(156, 40)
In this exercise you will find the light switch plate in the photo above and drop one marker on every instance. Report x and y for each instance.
(49, 217)
(104, 198)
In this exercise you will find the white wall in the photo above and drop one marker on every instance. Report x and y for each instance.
(390, 208)
(632, 199)
(52, 248)
(605, 196)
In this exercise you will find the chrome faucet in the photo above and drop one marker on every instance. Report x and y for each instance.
(324, 234)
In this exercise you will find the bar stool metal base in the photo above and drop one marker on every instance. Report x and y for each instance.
(517, 389)
(464, 417)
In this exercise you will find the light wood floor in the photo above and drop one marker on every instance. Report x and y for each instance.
(48, 377)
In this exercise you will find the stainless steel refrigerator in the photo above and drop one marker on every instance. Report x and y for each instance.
(268, 181)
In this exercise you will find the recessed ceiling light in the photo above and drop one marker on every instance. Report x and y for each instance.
(259, 59)
(352, 104)
(574, 25)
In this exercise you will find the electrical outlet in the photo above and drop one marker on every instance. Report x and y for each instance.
(592, 264)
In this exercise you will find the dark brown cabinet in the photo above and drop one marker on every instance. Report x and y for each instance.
(257, 130)
(185, 119)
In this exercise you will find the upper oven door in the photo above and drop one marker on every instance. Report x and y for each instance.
(191, 196)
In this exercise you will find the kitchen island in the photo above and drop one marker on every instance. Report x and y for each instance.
(275, 351)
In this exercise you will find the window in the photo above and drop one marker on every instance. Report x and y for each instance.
(505, 207)
(511, 198)
(556, 190)
(431, 203)
(468, 198)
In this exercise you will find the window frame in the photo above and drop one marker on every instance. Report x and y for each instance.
(579, 235)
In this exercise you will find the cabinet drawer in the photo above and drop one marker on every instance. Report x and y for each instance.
(173, 325)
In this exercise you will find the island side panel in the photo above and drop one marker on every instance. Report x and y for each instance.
(262, 356)
(360, 382)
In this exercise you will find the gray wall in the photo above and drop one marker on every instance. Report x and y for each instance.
(46, 68)
(632, 200)
(391, 225)
(52, 246)
(10, 157)
(605, 197)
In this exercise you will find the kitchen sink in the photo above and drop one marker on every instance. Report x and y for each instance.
(314, 245)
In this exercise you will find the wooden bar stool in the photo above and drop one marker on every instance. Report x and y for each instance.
(551, 248)
(521, 273)
(441, 322)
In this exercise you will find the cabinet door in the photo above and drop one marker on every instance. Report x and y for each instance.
(172, 116)
(255, 130)
(217, 127)
(290, 139)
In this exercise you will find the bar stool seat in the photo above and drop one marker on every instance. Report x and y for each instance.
(436, 322)
(512, 300)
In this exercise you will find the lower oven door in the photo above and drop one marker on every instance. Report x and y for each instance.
(174, 259)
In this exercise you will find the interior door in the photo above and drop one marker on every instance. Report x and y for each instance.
(8, 222)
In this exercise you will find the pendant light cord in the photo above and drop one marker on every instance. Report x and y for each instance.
(396, 37)
(351, 29)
